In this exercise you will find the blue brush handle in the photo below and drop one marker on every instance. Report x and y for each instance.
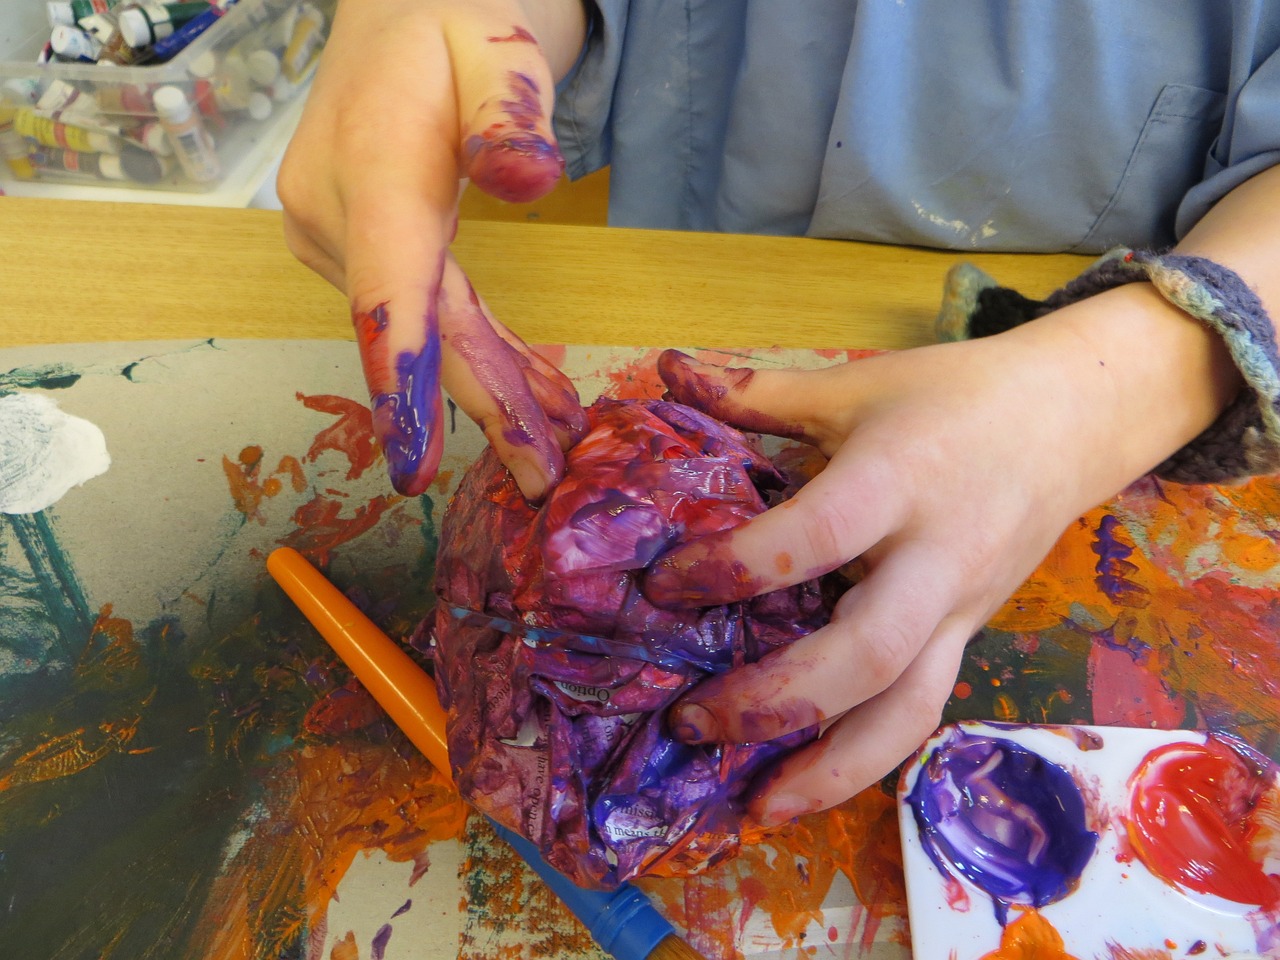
(623, 922)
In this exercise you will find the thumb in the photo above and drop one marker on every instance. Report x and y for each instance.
(505, 96)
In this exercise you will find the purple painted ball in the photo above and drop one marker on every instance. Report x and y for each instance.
(555, 670)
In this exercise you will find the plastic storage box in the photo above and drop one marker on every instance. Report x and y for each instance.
(187, 124)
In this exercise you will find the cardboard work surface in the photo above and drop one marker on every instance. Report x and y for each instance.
(186, 770)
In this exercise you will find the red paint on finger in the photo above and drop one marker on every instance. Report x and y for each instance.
(712, 390)
(700, 576)
(513, 159)
(518, 35)
(404, 394)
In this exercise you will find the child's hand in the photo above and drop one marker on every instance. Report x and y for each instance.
(953, 470)
(411, 97)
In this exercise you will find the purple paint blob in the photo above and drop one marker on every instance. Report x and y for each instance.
(568, 744)
(511, 160)
(1004, 818)
(1114, 567)
(380, 940)
(405, 398)
(408, 419)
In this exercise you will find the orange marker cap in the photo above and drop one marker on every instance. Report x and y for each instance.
(399, 685)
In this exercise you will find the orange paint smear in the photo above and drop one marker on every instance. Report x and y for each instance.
(345, 949)
(249, 488)
(1030, 937)
(340, 799)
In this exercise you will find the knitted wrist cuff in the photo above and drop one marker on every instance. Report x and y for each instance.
(1245, 438)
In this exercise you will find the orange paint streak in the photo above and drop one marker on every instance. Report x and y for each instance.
(374, 357)
(289, 465)
(340, 799)
(786, 875)
(249, 488)
(1030, 937)
(345, 949)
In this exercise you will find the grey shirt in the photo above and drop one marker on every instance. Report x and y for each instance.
(1036, 125)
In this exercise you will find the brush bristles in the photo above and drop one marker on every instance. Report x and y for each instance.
(673, 948)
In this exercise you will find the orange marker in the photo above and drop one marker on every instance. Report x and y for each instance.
(402, 687)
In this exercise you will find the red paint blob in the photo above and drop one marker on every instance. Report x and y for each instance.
(1201, 817)
(963, 690)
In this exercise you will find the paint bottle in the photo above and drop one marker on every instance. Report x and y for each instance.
(71, 44)
(115, 50)
(65, 100)
(170, 46)
(143, 24)
(13, 148)
(53, 133)
(305, 41)
(71, 12)
(191, 142)
(130, 164)
(21, 91)
(263, 66)
(151, 137)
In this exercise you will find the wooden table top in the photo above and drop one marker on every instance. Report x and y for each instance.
(90, 271)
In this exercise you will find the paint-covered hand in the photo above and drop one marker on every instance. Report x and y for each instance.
(411, 98)
(952, 471)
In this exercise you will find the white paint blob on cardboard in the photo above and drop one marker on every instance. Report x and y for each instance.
(44, 452)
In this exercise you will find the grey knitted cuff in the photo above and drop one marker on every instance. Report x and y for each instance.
(1245, 439)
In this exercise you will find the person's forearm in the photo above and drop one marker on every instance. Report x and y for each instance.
(1243, 232)
(561, 29)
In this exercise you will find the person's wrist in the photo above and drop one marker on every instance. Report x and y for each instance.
(1146, 378)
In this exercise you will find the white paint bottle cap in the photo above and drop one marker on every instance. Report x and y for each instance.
(260, 105)
(203, 64)
(135, 27)
(171, 103)
(264, 67)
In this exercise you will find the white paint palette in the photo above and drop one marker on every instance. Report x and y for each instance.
(1187, 829)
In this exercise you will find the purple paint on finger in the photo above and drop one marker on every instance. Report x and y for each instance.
(714, 395)
(405, 398)
(511, 160)
(700, 575)
(499, 370)
(1004, 818)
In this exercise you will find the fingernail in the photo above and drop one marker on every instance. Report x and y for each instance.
(694, 723)
(782, 807)
(407, 421)
(696, 579)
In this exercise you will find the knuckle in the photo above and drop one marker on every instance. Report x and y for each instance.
(890, 648)
(827, 530)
